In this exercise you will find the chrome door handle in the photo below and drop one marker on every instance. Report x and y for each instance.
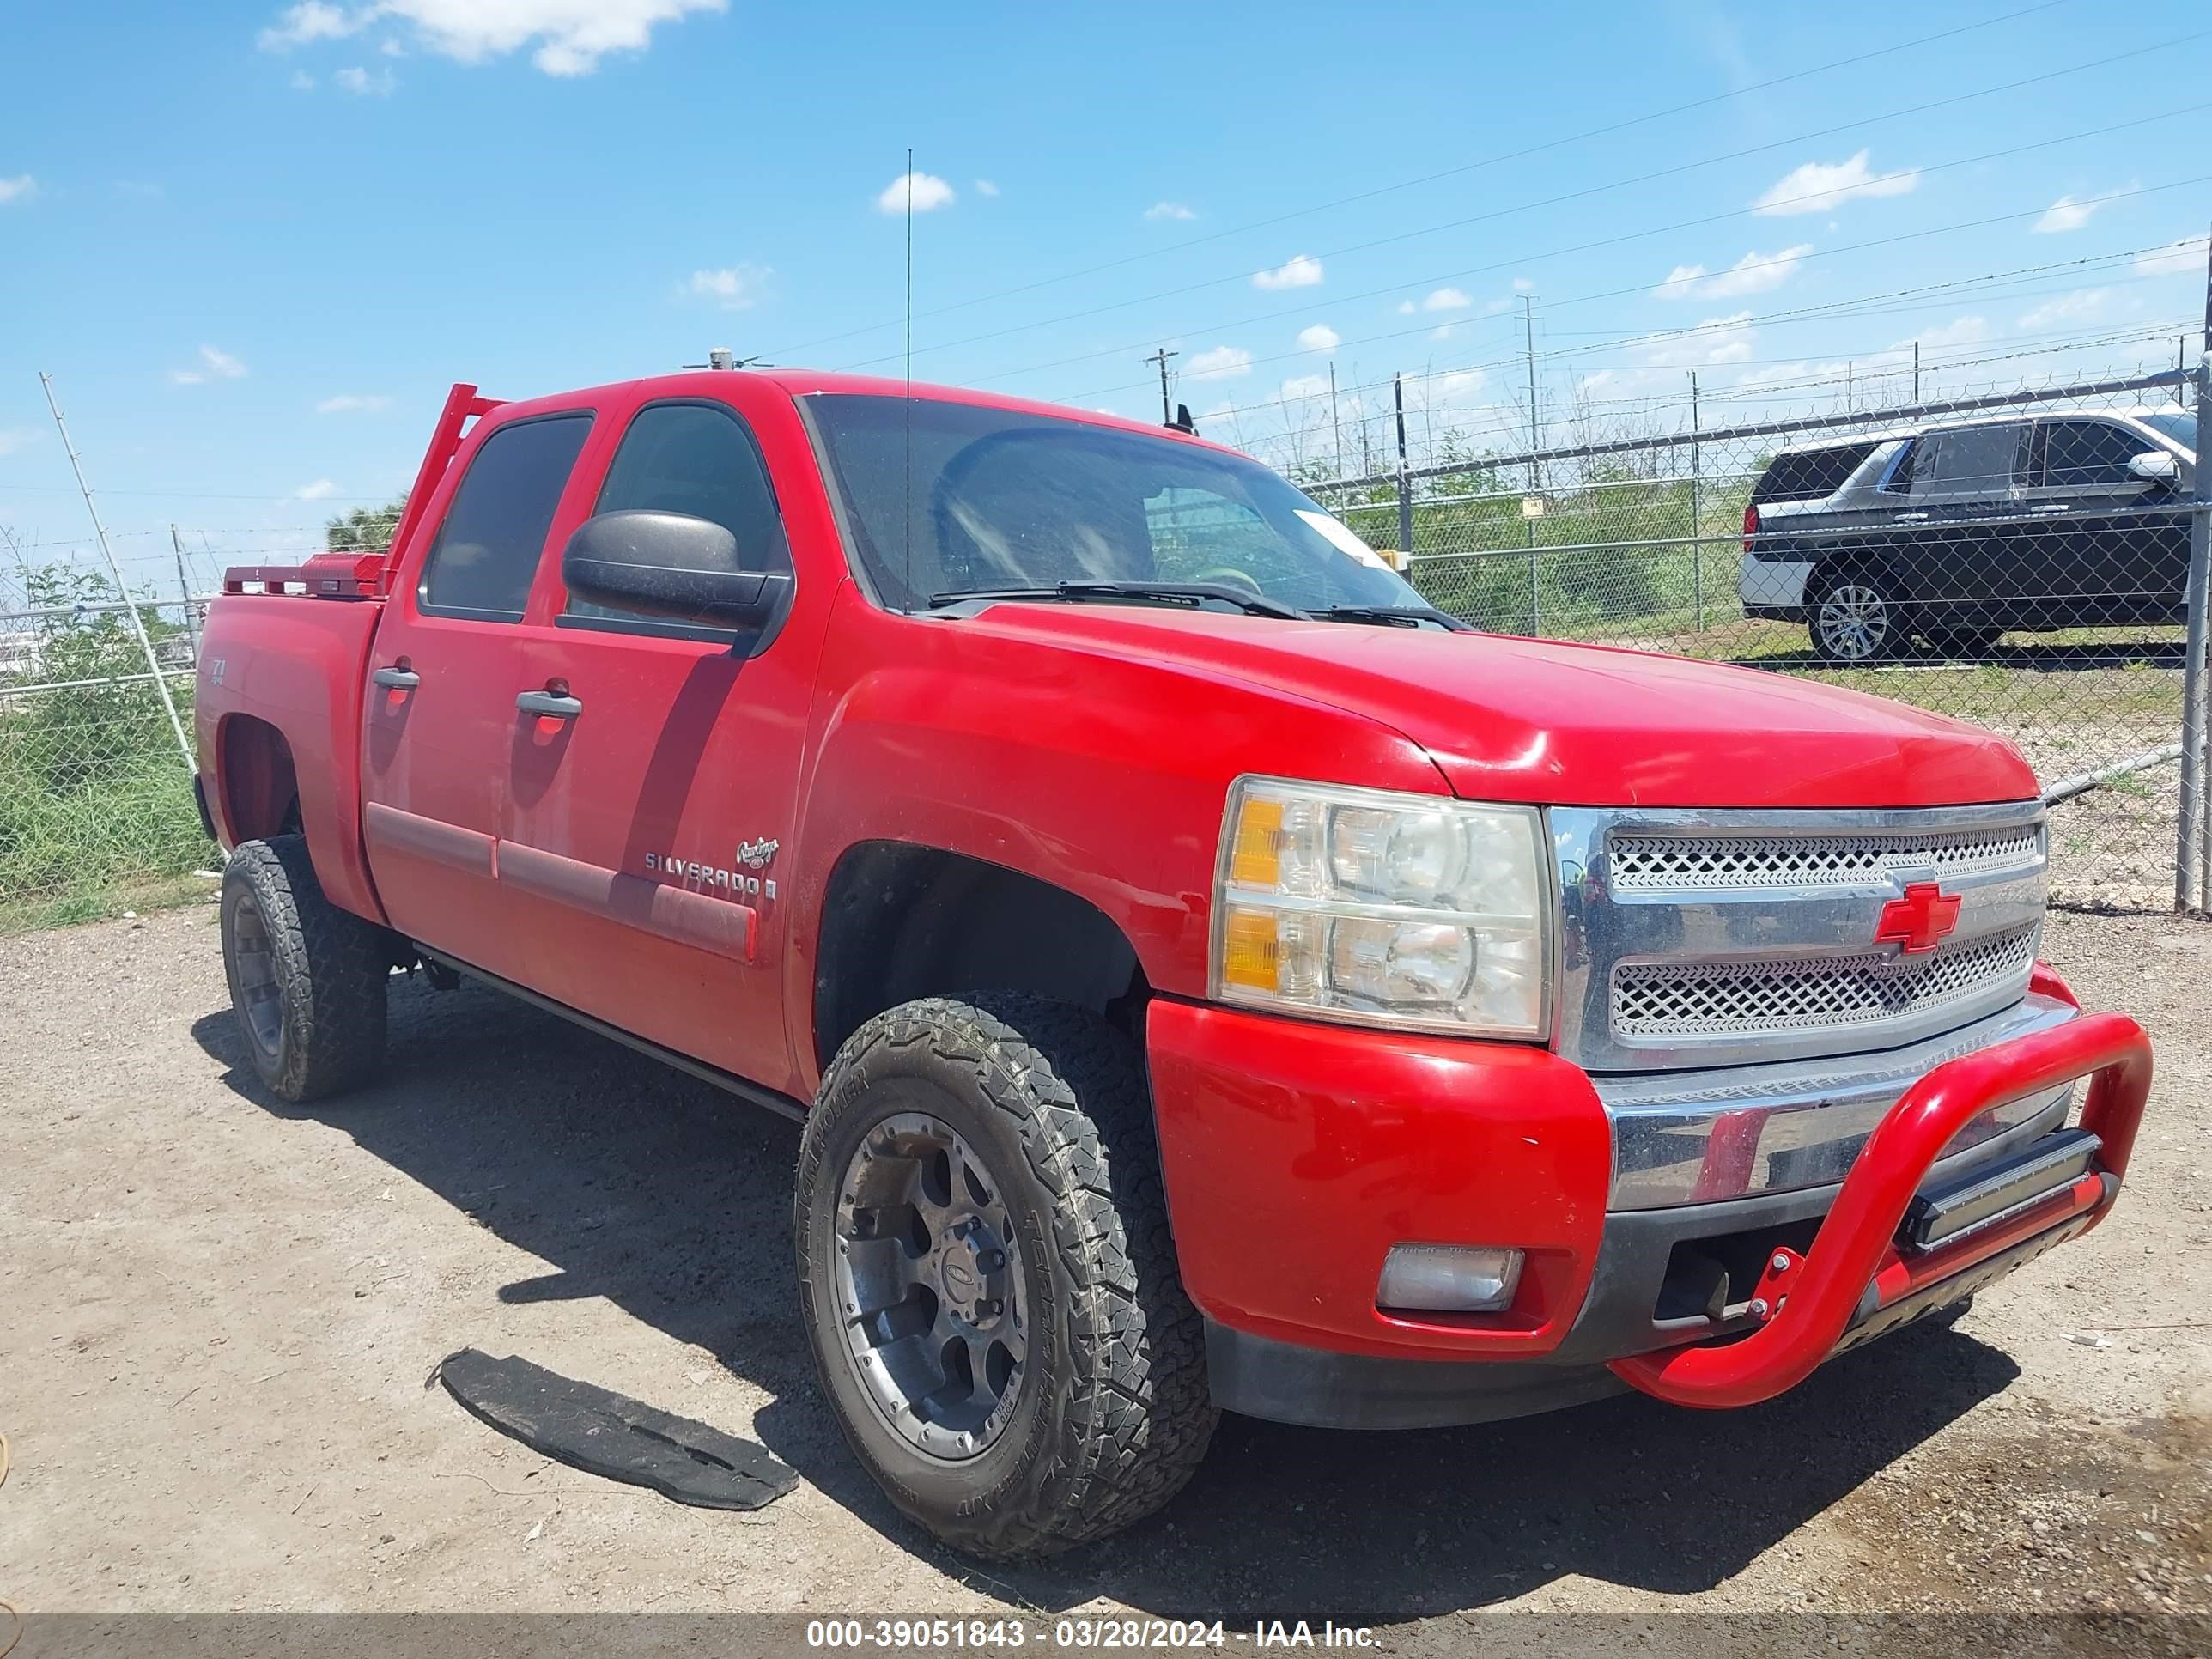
(1910, 518)
(396, 679)
(551, 704)
(2056, 508)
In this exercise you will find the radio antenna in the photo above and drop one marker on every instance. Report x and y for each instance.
(907, 577)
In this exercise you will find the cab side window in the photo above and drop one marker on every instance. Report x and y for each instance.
(695, 458)
(494, 530)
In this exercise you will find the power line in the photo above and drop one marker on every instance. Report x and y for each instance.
(1432, 177)
(1585, 247)
(1527, 206)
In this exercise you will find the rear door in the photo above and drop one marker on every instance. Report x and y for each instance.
(2115, 546)
(1966, 527)
(440, 712)
(644, 822)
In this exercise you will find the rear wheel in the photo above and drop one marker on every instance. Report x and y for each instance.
(987, 1278)
(306, 979)
(1857, 618)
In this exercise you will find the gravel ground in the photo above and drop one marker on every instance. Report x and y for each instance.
(221, 1314)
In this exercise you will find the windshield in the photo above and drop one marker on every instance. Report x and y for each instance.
(2180, 425)
(996, 499)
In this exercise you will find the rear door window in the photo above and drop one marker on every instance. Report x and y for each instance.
(1972, 460)
(2075, 454)
(495, 530)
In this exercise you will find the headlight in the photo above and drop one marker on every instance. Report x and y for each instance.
(1411, 911)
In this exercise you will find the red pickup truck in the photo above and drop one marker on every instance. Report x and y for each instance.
(1209, 977)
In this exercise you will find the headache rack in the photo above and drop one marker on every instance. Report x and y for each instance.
(357, 576)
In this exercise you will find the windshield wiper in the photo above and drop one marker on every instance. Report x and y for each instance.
(1393, 616)
(1185, 594)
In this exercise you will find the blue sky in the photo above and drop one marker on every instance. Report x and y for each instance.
(255, 242)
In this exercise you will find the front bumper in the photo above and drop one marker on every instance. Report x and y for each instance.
(1297, 1154)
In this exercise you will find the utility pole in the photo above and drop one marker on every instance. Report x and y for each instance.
(1916, 372)
(1405, 483)
(122, 590)
(185, 595)
(1335, 425)
(1850, 398)
(1529, 331)
(1161, 356)
(1697, 514)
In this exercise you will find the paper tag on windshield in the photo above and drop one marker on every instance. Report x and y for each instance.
(1342, 539)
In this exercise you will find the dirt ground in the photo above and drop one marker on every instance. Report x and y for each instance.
(219, 1317)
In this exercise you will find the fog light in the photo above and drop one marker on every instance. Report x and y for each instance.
(1449, 1278)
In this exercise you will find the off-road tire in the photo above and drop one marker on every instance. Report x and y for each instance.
(1879, 632)
(331, 968)
(1112, 1413)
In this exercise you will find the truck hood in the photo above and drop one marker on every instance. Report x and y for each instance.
(1545, 722)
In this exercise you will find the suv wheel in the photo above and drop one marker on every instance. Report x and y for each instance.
(987, 1278)
(306, 979)
(1856, 619)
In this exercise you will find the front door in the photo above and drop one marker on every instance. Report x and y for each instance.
(440, 705)
(2113, 548)
(646, 817)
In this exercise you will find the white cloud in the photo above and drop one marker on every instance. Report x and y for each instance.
(1755, 273)
(1300, 271)
(362, 84)
(2080, 307)
(303, 81)
(985, 187)
(321, 489)
(1407, 307)
(1960, 330)
(1522, 285)
(1819, 186)
(1319, 336)
(312, 21)
(13, 438)
(1221, 363)
(733, 288)
(1716, 340)
(928, 192)
(1305, 385)
(350, 403)
(2065, 214)
(1168, 211)
(20, 188)
(221, 365)
(571, 35)
(1446, 299)
(2176, 258)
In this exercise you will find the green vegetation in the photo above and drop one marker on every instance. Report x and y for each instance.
(95, 804)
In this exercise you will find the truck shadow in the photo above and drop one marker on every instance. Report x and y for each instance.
(672, 1201)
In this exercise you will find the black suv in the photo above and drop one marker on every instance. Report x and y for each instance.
(1956, 534)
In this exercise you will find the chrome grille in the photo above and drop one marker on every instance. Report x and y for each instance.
(1688, 863)
(1696, 939)
(1749, 999)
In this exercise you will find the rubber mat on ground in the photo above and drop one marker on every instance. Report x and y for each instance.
(602, 1432)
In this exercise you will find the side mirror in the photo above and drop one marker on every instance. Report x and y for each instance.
(2155, 466)
(670, 565)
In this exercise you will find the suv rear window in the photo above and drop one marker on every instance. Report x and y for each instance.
(1806, 475)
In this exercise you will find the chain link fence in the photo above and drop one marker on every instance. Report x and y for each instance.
(2017, 558)
(96, 812)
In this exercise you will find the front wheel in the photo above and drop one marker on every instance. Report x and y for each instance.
(987, 1278)
(1856, 619)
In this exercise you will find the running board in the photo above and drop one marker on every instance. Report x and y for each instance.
(781, 1105)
